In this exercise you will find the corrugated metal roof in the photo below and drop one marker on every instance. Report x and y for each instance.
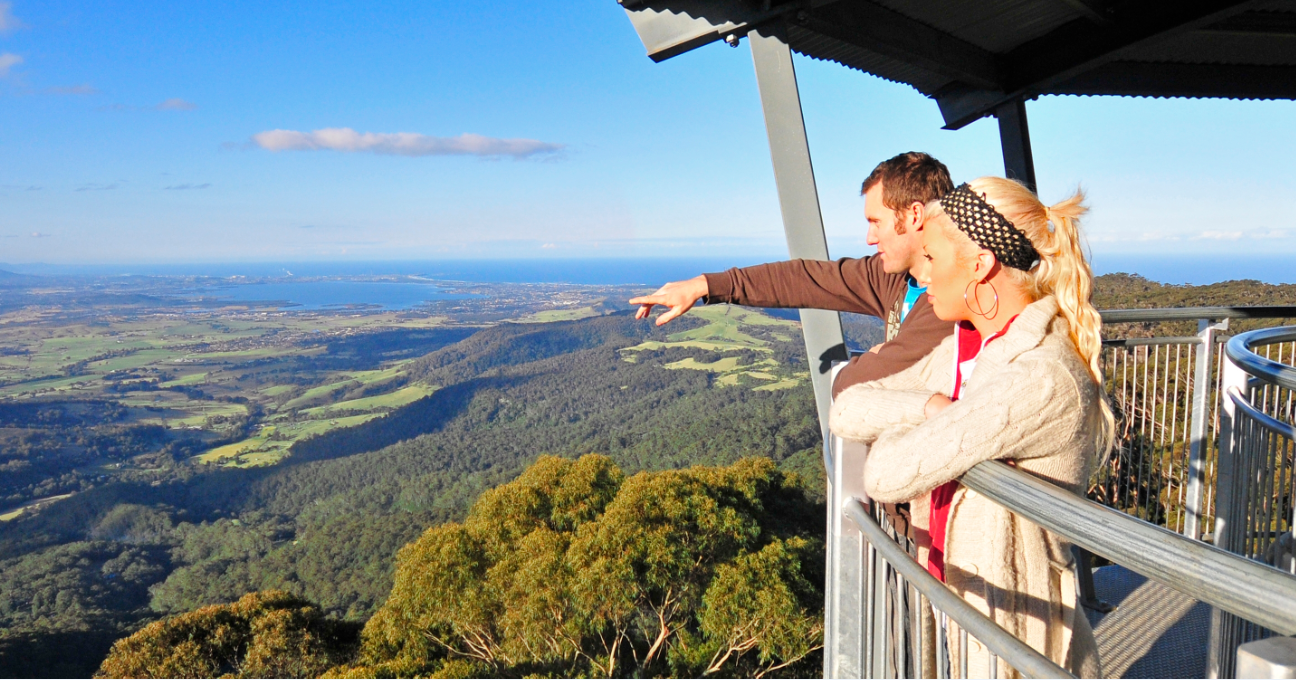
(1205, 47)
(818, 46)
(975, 55)
(994, 25)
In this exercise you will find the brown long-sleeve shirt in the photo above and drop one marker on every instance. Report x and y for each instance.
(847, 285)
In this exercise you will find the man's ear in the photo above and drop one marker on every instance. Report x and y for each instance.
(915, 215)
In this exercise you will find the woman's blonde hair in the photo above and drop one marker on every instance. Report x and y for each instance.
(1062, 272)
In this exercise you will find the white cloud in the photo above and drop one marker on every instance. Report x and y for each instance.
(1219, 235)
(97, 187)
(176, 104)
(8, 60)
(82, 89)
(187, 187)
(8, 22)
(401, 143)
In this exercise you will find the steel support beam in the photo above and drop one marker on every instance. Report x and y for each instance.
(1230, 524)
(1014, 137)
(1194, 506)
(798, 197)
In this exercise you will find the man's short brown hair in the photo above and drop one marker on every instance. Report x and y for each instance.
(911, 177)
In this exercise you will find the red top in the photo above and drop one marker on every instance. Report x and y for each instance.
(969, 347)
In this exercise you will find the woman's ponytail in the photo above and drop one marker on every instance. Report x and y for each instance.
(1062, 272)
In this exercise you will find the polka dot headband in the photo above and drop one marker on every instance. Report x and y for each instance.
(987, 228)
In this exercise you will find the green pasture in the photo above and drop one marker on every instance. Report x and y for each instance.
(550, 315)
(316, 393)
(140, 359)
(719, 366)
(343, 381)
(31, 505)
(388, 401)
(261, 449)
(784, 384)
(731, 371)
(47, 385)
(723, 331)
(191, 379)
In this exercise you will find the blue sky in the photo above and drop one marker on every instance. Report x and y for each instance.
(146, 132)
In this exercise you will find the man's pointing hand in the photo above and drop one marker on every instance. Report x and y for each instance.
(679, 296)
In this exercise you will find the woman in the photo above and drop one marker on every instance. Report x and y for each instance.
(1018, 381)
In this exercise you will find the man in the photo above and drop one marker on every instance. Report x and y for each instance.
(882, 285)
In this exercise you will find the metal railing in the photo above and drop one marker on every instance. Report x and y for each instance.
(1166, 393)
(886, 617)
(1256, 512)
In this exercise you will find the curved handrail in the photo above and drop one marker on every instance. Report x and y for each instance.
(1241, 350)
(1252, 590)
(1264, 419)
(1019, 655)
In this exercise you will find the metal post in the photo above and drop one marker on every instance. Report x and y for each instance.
(846, 601)
(798, 197)
(1201, 393)
(1014, 137)
(1274, 657)
(1228, 523)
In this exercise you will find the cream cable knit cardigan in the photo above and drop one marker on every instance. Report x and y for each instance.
(1030, 399)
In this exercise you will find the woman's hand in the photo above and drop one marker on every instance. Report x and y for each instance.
(936, 404)
(680, 296)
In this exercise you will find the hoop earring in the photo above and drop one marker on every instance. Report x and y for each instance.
(980, 311)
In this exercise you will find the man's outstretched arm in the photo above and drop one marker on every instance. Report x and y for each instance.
(846, 285)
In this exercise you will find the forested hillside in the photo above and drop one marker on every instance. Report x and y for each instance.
(326, 523)
(322, 525)
(571, 570)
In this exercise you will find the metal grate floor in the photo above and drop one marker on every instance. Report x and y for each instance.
(1154, 631)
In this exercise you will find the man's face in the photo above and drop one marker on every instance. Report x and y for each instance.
(899, 252)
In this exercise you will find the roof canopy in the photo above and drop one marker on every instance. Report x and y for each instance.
(972, 56)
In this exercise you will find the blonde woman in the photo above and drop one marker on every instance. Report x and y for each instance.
(1018, 381)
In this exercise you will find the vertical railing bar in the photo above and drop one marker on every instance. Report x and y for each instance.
(1198, 443)
(916, 630)
(1249, 497)
(871, 576)
(1156, 468)
(1266, 492)
(1181, 477)
(1273, 489)
(863, 550)
(940, 621)
(1126, 401)
(994, 665)
(878, 629)
(1213, 489)
(898, 644)
(1165, 459)
(1258, 438)
(1141, 490)
(963, 652)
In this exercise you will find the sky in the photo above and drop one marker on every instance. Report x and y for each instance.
(150, 132)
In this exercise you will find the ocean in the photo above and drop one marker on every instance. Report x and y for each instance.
(1177, 269)
(332, 294)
